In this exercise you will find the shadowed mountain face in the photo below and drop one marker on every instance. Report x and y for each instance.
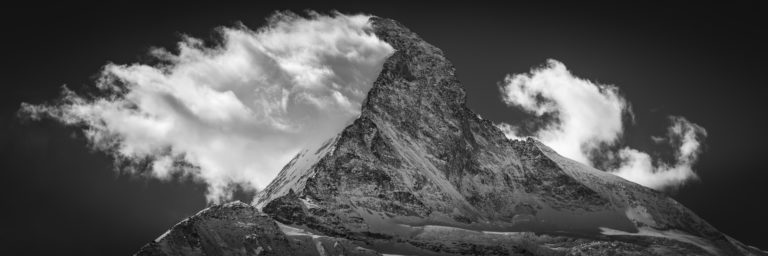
(418, 173)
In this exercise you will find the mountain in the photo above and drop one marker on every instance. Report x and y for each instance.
(418, 173)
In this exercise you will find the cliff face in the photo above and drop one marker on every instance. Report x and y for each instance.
(420, 173)
(417, 151)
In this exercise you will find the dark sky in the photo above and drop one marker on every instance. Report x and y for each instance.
(703, 62)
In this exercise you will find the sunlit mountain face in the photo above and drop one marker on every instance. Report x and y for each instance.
(419, 173)
(383, 128)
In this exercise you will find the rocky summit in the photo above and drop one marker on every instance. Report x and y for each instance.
(418, 173)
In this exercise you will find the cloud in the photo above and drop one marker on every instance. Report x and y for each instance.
(585, 121)
(642, 169)
(587, 114)
(234, 113)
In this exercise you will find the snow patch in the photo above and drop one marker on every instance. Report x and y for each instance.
(319, 246)
(292, 231)
(669, 234)
(294, 173)
(502, 233)
(308, 203)
(157, 240)
(640, 214)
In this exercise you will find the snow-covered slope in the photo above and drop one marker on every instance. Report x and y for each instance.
(418, 173)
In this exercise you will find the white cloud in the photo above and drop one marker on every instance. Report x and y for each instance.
(232, 114)
(640, 168)
(587, 114)
(584, 117)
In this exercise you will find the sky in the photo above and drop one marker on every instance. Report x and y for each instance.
(701, 63)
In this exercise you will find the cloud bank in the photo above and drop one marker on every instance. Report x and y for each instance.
(234, 113)
(581, 119)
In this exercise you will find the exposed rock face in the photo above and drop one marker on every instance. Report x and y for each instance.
(419, 173)
(230, 229)
(241, 229)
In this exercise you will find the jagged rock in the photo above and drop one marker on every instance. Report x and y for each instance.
(240, 229)
(418, 173)
(230, 229)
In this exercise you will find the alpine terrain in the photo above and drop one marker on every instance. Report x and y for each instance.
(418, 173)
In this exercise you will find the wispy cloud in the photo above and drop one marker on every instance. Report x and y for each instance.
(579, 119)
(586, 115)
(686, 137)
(232, 114)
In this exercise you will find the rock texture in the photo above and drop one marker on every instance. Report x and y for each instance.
(240, 229)
(418, 173)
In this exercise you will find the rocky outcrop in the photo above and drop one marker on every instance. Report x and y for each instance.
(230, 229)
(240, 229)
(418, 173)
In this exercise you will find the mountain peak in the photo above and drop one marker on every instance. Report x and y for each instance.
(416, 69)
(419, 173)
